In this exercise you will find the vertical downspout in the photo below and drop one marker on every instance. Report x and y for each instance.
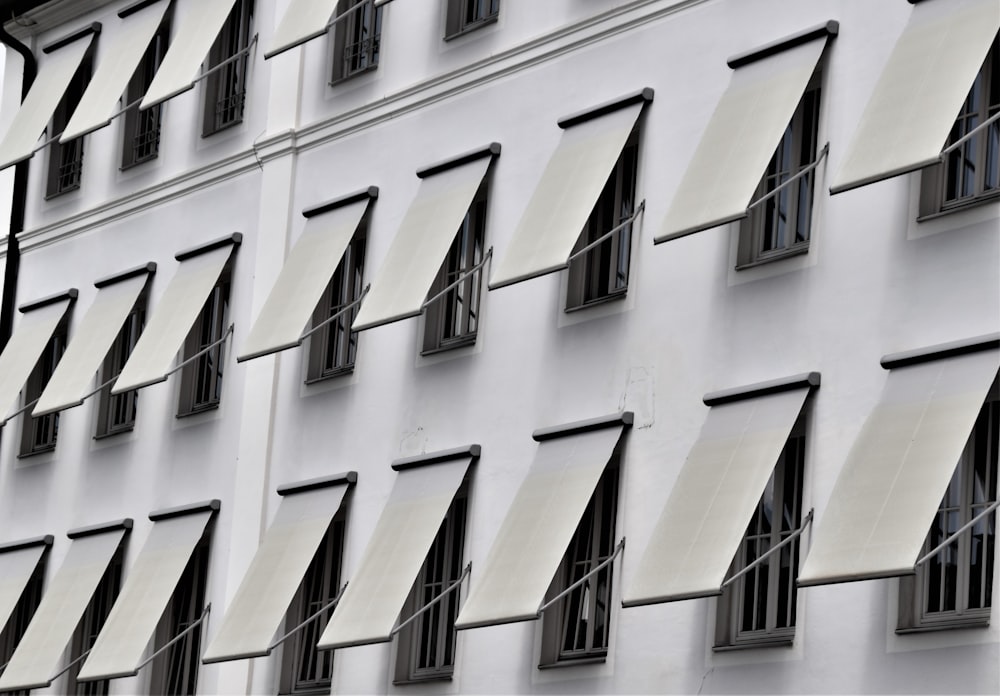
(8, 301)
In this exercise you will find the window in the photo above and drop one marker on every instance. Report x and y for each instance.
(176, 670)
(601, 273)
(426, 648)
(453, 319)
(19, 619)
(578, 627)
(356, 39)
(226, 87)
(970, 172)
(116, 412)
(39, 434)
(91, 624)
(780, 225)
(954, 588)
(306, 670)
(466, 15)
(66, 159)
(201, 380)
(141, 133)
(333, 348)
(759, 607)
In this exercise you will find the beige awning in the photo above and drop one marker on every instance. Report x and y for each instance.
(404, 533)
(921, 90)
(262, 600)
(304, 20)
(898, 469)
(149, 584)
(197, 28)
(18, 560)
(538, 528)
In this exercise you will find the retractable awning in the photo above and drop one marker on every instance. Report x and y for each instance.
(18, 560)
(541, 521)
(717, 491)
(148, 586)
(175, 314)
(197, 27)
(570, 186)
(424, 489)
(304, 20)
(262, 600)
(55, 71)
(36, 659)
(424, 237)
(898, 469)
(307, 271)
(920, 91)
(743, 132)
(71, 380)
(128, 44)
(30, 337)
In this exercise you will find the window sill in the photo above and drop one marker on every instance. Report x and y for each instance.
(977, 201)
(117, 431)
(598, 660)
(200, 409)
(423, 680)
(35, 453)
(974, 623)
(350, 76)
(136, 163)
(472, 26)
(220, 129)
(802, 248)
(464, 342)
(763, 643)
(61, 192)
(333, 374)
(610, 297)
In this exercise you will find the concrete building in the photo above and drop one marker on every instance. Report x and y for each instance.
(494, 346)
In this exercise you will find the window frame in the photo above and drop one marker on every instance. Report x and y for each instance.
(228, 86)
(210, 326)
(800, 140)
(464, 16)
(357, 25)
(141, 129)
(91, 623)
(64, 170)
(40, 433)
(125, 404)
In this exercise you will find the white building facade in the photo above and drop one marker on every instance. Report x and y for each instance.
(541, 324)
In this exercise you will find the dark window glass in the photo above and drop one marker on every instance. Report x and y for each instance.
(356, 38)
(226, 85)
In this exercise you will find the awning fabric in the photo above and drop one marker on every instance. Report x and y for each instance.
(31, 335)
(100, 100)
(920, 92)
(304, 20)
(898, 469)
(404, 533)
(421, 244)
(173, 318)
(740, 140)
(148, 586)
(275, 574)
(713, 499)
(74, 374)
(55, 70)
(37, 657)
(300, 284)
(538, 528)
(569, 188)
(197, 28)
(16, 568)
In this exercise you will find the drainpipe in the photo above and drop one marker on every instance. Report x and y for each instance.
(8, 300)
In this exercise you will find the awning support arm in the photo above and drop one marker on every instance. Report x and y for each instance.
(608, 561)
(17, 413)
(196, 624)
(771, 551)
(608, 235)
(236, 56)
(954, 537)
(188, 361)
(331, 603)
(801, 173)
(67, 667)
(955, 145)
(333, 317)
(352, 9)
(451, 588)
(460, 279)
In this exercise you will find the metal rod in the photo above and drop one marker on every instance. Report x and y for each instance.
(308, 621)
(426, 607)
(333, 317)
(109, 382)
(201, 352)
(767, 554)
(18, 412)
(67, 667)
(970, 134)
(354, 8)
(236, 56)
(954, 537)
(614, 230)
(461, 279)
(599, 568)
(776, 190)
(204, 614)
